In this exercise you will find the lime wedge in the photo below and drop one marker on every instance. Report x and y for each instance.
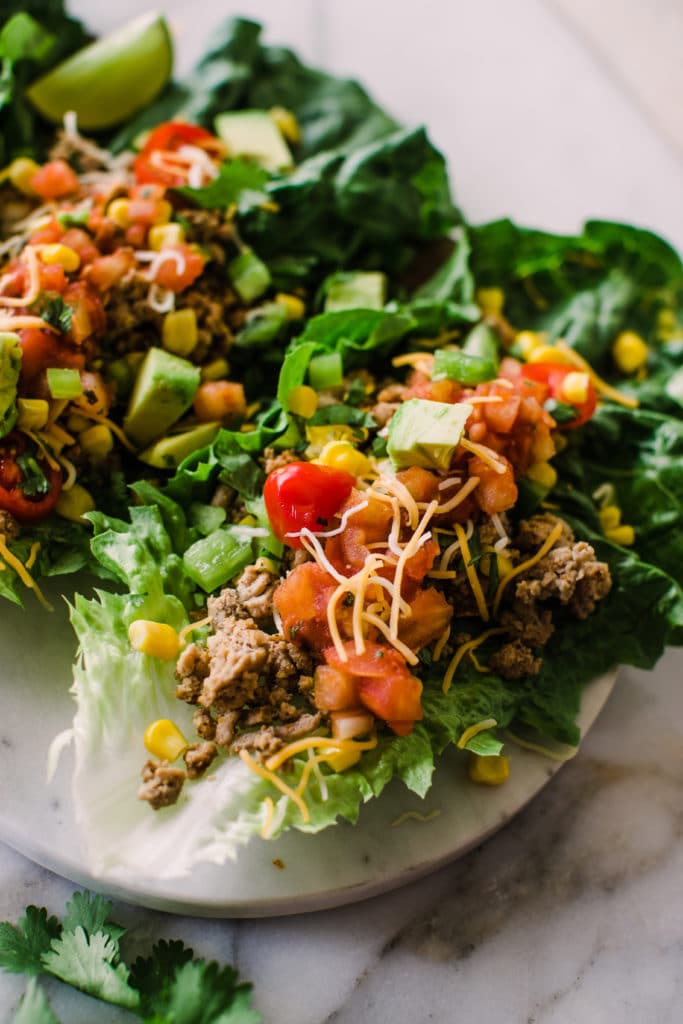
(112, 78)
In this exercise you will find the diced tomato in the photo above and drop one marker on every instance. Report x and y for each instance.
(553, 376)
(55, 180)
(301, 601)
(106, 271)
(219, 400)
(47, 235)
(501, 416)
(421, 484)
(304, 494)
(431, 614)
(40, 349)
(88, 317)
(496, 492)
(31, 507)
(144, 211)
(81, 242)
(136, 235)
(180, 267)
(52, 278)
(386, 685)
(422, 386)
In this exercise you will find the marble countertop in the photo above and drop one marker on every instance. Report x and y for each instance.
(551, 112)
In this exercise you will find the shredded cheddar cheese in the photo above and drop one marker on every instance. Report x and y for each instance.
(528, 564)
(485, 453)
(276, 781)
(269, 809)
(473, 730)
(414, 816)
(472, 574)
(600, 385)
(462, 651)
(22, 572)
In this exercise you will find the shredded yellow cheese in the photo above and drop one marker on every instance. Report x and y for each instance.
(476, 663)
(537, 748)
(316, 743)
(71, 472)
(459, 497)
(473, 730)
(116, 430)
(190, 628)
(384, 629)
(485, 453)
(276, 781)
(600, 385)
(408, 551)
(44, 449)
(19, 323)
(472, 574)
(22, 572)
(414, 816)
(462, 651)
(423, 361)
(32, 555)
(269, 808)
(441, 643)
(528, 564)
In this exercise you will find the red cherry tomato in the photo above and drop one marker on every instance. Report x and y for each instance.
(304, 494)
(55, 180)
(167, 139)
(28, 499)
(553, 376)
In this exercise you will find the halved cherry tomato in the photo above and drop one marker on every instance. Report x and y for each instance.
(553, 376)
(54, 180)
(15, 494)
(304, 494)
(168, 138)
(180, 267)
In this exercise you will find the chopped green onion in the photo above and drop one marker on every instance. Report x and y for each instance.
(326, 371)
(451, 364)
(213, 560)
(64, 383)
(249, 275)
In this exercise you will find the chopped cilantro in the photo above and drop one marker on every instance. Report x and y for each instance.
(560, 411)
(34, 483)
(55, 312)
(83, 951)
(356, 392)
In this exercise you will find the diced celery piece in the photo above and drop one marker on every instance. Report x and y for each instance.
(206, 518)
(215, 559)
(325, 371)
(64, 383)
(249, 275)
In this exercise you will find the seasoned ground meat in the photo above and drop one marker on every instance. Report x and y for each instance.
(263, 743)
(392, 392)
(383, 411)
(9, 527)
(286, 660)
(198, 757)
(532, 532)
(528, 623)
(514, 661)
(563, 572)
(238, 654)
(225, 728)
(191, 671)
(223, 496)
(204, 724)
(254, 591)
(273, 460)
(304, 725)
(206, 226)
(224, 608)
(161, 784)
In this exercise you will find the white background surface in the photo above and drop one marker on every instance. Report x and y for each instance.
(550, 112)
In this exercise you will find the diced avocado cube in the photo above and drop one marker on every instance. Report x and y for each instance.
(169, 452)
(249, 275)
(164, 389)
(254, 134)
(357, 290)
(426, 434)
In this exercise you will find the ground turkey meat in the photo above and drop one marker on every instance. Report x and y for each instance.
(237, 654)
(273, 460)
(263, 743)
(255, 589)
(532, 532)
(161, 784)
(191, 671)
(198, 757)
(571, 575)
(9, 527)
(514, 661)
(528, 623)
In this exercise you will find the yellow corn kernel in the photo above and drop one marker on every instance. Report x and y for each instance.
(543, 473)
(527, 342)
(549, 354)
(575, 387)
(629, 352)
(164, 740)
(489, 771)
(624, 535)
(610, 517)
(21, 173)
(491, 301)
(340, 760)
(162, 235)
(118, 212)
(318, 437)
(96, 441)
(33, 413)
(74, 503)
(217, 369)
(164, 212)
(294, 306)
(157, 639)
(61, 254)
(179, 331)
(343, 455)
(75, 422)
(287, 123)
(303, 401)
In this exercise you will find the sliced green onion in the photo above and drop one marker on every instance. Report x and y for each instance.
(64, 383)
(451, 364)
(326, 371)
(215, 559)
(249, 275)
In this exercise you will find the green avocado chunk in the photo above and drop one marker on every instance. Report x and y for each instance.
(426, 434)
(10, 365)
(164, 389)
(169, 452)
(253, 133)
(359, 289)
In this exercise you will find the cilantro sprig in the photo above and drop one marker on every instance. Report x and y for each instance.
(83, 950)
